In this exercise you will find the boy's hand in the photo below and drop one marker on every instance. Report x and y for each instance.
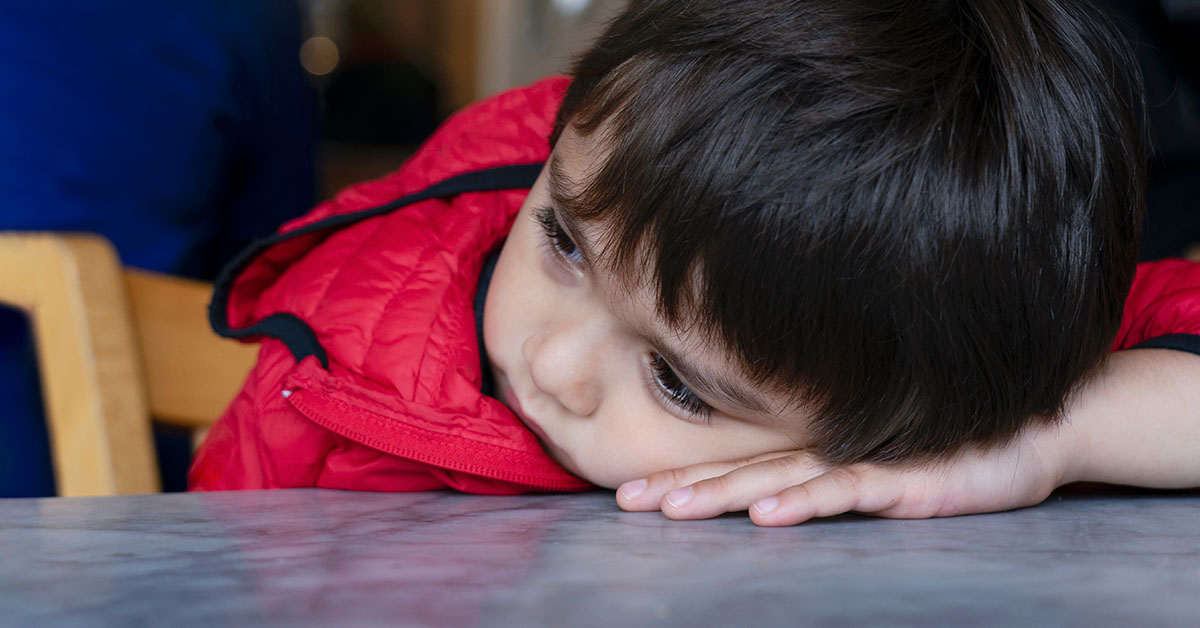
(787, 488)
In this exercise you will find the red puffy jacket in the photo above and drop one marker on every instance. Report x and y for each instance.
(369, 373)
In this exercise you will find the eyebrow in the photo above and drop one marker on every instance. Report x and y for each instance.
(565, 202)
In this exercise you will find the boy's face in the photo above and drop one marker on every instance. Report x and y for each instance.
(612, 392)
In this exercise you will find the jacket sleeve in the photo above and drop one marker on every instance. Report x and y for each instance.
(1163, 308)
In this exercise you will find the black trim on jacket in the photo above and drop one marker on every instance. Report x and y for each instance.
(290, 329)
(1178, 342)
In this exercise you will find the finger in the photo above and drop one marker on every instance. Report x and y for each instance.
(648, 493)
(848, 489)
(737, 489)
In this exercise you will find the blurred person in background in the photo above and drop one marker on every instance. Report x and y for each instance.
(180, 131)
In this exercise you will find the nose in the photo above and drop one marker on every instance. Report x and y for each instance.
(563, 362)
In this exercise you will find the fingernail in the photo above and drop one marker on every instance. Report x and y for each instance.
(632, 489)
(679, 496)
(766, 504)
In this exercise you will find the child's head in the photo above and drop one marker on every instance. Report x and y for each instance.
(881, 230)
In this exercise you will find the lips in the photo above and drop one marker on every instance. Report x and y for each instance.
(554, 451)
(514, 404)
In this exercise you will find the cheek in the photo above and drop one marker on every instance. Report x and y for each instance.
(522, 295)
(502, 318)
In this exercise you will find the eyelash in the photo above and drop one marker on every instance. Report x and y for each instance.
(557, 238)
(665, 381)
(675, 391)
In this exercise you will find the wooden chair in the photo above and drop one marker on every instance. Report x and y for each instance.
(116, 346)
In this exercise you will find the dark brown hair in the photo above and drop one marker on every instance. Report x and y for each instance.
(920, 216)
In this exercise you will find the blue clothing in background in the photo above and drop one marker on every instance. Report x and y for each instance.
(179, 130)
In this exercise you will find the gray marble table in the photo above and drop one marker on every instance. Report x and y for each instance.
(311, 557)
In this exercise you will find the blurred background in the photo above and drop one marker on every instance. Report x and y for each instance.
(184, 130)
(388, 71)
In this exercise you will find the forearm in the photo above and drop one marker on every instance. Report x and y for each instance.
(1137, 422)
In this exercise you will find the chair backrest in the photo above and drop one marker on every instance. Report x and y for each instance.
(115, 347)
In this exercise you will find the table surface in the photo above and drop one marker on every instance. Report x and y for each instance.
(314, 557)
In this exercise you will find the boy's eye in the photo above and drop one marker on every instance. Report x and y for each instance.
(556, 237)
(676, 391)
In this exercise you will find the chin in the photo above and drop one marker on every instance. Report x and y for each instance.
(607, 476)
(603, 479)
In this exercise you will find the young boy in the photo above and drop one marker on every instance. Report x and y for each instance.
(799, 258)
